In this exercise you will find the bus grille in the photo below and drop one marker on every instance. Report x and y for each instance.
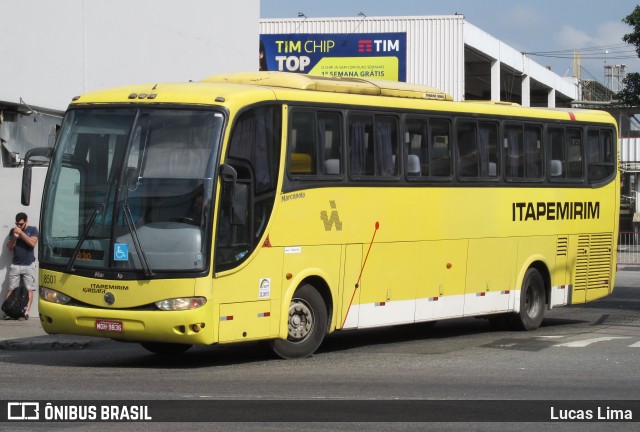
(593, 263)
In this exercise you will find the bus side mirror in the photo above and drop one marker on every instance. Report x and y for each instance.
(234, 196)
(46, 152)
(25, 197)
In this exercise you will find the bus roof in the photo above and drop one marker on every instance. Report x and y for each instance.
(332, 84)
(239, 89)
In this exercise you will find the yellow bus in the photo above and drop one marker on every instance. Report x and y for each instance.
(284, 207)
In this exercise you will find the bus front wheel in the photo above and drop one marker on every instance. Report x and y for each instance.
(532, 302)
(307, 325)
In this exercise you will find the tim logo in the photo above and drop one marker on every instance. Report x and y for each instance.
(23, 411)
(365, 45)
(381, 45)
(334, 219)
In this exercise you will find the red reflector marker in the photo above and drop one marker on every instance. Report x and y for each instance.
(226, 318)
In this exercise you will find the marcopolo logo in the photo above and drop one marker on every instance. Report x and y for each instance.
(334, 219)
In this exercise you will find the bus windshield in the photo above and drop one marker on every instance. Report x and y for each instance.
(131, 190)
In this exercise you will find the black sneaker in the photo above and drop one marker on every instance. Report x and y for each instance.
(26, 316)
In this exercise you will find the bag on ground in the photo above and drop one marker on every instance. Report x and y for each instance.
(17, 302)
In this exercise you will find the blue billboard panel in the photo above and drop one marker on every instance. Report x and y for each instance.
(362, 55)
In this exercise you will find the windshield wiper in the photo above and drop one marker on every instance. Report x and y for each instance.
(72, 260)
(136, 240)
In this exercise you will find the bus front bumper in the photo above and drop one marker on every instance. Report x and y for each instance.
(193, 327)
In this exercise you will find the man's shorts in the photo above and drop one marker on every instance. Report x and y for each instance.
(28, 273)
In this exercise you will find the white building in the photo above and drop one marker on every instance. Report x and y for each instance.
(446, 52)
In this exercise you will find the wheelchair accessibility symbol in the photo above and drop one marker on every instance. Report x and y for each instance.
(121, 252)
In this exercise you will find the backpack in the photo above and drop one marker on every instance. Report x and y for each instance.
(17, 302)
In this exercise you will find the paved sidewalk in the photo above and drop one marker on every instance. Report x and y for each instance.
(29, 335)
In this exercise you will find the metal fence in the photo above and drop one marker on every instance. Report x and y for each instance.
(629, 248)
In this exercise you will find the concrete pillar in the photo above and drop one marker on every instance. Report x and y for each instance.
(526, 91)
(495, 80)
(551, 98)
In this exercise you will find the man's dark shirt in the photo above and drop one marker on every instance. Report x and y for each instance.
(23, 253)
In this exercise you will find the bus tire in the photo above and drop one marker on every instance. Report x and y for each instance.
(164, 348)
(307, 324)
(532, 302)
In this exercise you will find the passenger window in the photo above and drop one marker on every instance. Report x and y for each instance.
(302, 143)
(575, 153)
(600, 154)
(373, 146)
(565, 154)
(439, 139)
(478, 149)
(315, 143)
(428, 148)
(523, 153)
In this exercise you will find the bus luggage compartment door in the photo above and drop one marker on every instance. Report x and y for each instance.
(244, 321)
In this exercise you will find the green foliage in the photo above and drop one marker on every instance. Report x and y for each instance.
(630, 94)
(633, 38)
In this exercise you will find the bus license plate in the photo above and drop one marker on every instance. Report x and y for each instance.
(107, 325)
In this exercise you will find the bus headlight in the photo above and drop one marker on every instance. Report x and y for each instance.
(179, 304)
(53, 296)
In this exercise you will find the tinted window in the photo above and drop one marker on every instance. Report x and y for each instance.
(315, 144)
(477, 149)
(373, 146)
(428, 148)
(600, 149)
(523, 152)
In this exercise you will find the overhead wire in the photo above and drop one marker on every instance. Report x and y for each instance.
(600, 52)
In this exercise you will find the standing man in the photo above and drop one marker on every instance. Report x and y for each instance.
(22, 241)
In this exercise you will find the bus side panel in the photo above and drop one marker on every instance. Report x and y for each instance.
(255, 283)
(348, 306)
(441, 291)
(490, 275)
(390, 280)
(244, 321)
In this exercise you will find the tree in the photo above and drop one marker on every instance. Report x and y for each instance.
(630, 93)
(633, 20)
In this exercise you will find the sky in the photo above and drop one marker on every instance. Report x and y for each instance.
(554, 28)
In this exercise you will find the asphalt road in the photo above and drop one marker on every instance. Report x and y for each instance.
(581, 353)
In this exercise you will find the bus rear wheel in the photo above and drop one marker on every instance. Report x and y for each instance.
(307, 325)
(164, 348)
(532, 302)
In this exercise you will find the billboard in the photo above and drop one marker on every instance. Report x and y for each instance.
(359, 55)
